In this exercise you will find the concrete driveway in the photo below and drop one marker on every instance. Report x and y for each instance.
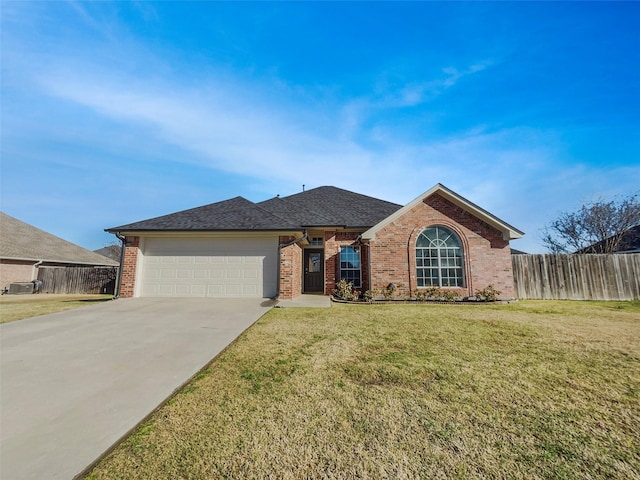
(73, 383)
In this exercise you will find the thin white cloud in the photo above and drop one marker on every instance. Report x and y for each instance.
(416, 93)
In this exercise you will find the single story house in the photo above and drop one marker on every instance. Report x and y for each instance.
(307, 242)
(24, 248)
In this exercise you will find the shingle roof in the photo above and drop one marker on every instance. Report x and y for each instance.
(110, 251)
(235, 214)
(331, 206)
(629, 243)
(322, 206)
(21, 241)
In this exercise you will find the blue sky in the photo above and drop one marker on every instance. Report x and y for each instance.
(114, 112)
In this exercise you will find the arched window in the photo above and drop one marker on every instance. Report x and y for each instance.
(439, 258)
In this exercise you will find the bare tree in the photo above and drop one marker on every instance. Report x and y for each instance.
(597, 227)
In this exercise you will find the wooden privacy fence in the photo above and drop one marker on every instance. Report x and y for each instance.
(577, 277)
(78, 279)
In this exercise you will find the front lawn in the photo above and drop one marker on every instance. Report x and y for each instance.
(534, 389)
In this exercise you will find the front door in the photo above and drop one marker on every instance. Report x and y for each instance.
(313, 271)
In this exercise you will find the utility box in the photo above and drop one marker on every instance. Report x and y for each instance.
(20, 288)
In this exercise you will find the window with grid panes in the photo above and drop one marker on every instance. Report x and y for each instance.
(350, 265)
(439, 258)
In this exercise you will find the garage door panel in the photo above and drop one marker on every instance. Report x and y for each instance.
(168, 290)
(167, 274)
(251, 274)
(185, 274)
(201, 274)
(214, 267)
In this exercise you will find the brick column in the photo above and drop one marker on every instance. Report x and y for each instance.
(130, 262)
(290, 269)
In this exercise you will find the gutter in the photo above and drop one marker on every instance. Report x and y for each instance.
(285, 245)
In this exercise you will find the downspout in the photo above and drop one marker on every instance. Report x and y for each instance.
(285, 245)
(409, 258)
(116, 293)
(362, 244)
(34, 268)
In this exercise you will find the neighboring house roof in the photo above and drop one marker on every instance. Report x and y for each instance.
(110, 251)
(21, 241)
(322, 206)
(630, 243)
(508, 232)
(518, 252)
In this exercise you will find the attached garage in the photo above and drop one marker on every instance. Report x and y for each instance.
(208, 267)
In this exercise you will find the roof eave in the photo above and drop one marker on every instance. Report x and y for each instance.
(201, 231)
(53, 260)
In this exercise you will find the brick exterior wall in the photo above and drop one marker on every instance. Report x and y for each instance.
(332, 242)
(130, 263)
(487, 256)
(290, 269)
(16, 271)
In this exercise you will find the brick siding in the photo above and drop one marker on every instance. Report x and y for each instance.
(487, 257)
(15, 271)
(130, 263)
(333, 240)
(290, 269)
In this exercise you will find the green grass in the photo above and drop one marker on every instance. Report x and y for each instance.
(535, 390)
(18, 307)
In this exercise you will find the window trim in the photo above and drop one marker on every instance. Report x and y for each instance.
(316, 241)
(359, 269)
(462, 277)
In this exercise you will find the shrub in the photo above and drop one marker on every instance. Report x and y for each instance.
(344, 291)
(449, 296)
(437, 294)
(420, 295)
(389, 291)
(487, 294)
(369, 295)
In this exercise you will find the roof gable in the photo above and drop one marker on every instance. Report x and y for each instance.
(508, 232)
(21, 241)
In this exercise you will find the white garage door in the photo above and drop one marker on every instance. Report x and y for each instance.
(209, 267)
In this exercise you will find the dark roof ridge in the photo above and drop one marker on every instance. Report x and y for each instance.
(331, 187)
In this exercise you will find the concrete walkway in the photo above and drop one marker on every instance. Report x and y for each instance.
(73, 383)
(314, 301)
